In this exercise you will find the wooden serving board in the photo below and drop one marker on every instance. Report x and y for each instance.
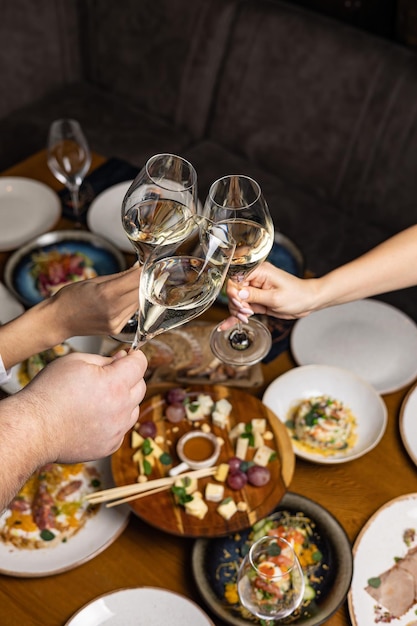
(160, 509)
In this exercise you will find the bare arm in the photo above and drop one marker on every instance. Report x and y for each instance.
(48, 422)
(390, 266)
(98, 306)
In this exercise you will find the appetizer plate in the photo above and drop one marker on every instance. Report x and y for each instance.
(307, 381)
(105, 258)
(98, 533)
(215, 562)
(155, 607)
(104, 216)
(378, 546)
(260, 500)
(373, 339)
(91, 344)
(408, 423)
(27, 209)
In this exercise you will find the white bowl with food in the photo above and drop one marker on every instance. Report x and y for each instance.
(331, 414)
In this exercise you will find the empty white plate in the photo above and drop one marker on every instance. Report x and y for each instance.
(27, 209)
(104, 216)
(371, 338)
(139, 606)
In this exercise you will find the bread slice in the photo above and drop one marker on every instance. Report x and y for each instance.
(187, 350)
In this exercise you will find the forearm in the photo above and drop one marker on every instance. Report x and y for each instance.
(22, 450)
(390, 266)
(30, 333)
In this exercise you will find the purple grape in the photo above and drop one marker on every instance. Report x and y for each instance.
(147, 429)
(175, 412)
(176, 395)
(236, 480)
(234, 463)
(258, 476)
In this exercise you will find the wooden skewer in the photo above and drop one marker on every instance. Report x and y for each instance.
(136, 496)
(137, 488)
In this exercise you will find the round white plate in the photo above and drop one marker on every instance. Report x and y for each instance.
(303, 382)
(91, 344)
(104, 216)
(98, 533)
(371, 338)
(10, 307)
(139, 606)
(408, 423)
(27, 209)
(376, 548)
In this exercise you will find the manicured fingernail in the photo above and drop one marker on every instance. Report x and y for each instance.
(237, 303)
(242, 318)
(243, 293)
(246, 310)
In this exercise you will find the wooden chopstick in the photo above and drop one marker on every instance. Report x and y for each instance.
(115, 493)
(136, 496)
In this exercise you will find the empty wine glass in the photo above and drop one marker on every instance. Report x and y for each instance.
(181, 278)
(270, 580)
(162, 195)
(238, 202)
(69, 157)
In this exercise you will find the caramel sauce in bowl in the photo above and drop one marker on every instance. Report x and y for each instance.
(197, 450)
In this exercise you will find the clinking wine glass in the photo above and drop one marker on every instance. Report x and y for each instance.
(270, 580)
(163, 195)
(182, 278)
(238, 202)
(69, 157)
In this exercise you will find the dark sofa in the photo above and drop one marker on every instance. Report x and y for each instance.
(322, 115)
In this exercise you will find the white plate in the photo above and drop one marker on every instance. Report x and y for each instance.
(98, 533)
(10, 307)
(91, 344)
(408, 423)
(377, 546)
(104, 216)
(371, 338)
(139, 606)
(27, 209)
(286, 391)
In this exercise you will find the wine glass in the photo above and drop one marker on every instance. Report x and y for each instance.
(162, 195)
(182, 277)
(270, 579)
(238, 201)
(69, 157)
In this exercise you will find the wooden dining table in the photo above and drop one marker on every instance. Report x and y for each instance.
(144, 556)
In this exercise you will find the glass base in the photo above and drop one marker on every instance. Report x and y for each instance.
(228, 347)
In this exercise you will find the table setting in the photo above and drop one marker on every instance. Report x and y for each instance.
(366, 368)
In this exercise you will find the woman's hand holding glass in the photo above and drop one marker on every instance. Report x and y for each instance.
(237, 201)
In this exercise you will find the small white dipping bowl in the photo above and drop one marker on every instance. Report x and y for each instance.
(307, 381)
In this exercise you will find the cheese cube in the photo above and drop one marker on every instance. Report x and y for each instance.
(196, 507)
(262, 456)
(223, 406)
(222, 472)
(219, 419)
(259, 425)
(189, 483)
(258, 439)
(227, 508)
(242, 445)
(214, 493)
(237, 430)
(136, 440)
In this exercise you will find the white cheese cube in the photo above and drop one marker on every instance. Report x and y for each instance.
(219, 419)
(242, 445)
(196, 507)
(222, 472)
(223, 406)
(227, 508)
(214, 492)
(258, 439)
(259, 425)
(237, 430)
(189, 483)
(136, 440)
(262, 456)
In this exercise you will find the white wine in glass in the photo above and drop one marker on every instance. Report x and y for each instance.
(181, 280)
(237, 201)
(69, 157)
(162, 196)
